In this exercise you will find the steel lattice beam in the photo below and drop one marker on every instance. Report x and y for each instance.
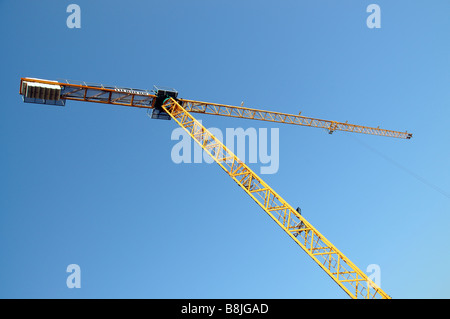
(277, 117)
(87, 92)
(348, 276)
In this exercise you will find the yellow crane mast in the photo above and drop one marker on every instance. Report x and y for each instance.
(165, 104)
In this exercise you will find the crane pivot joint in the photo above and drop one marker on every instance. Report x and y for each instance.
(162, 94)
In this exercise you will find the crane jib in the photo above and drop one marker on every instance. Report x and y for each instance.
(57, 92)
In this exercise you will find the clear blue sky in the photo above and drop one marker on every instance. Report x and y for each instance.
(95, 185)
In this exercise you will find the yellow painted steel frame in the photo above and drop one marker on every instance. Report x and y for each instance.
(349, 277)
(100, 94)
(277, 117)
(81, 91)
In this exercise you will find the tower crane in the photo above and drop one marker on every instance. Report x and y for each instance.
(164, 103)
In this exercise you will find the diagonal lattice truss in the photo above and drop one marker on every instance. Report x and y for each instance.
(107, 94)
(98, 93)
(277, 117)
(349, 277)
